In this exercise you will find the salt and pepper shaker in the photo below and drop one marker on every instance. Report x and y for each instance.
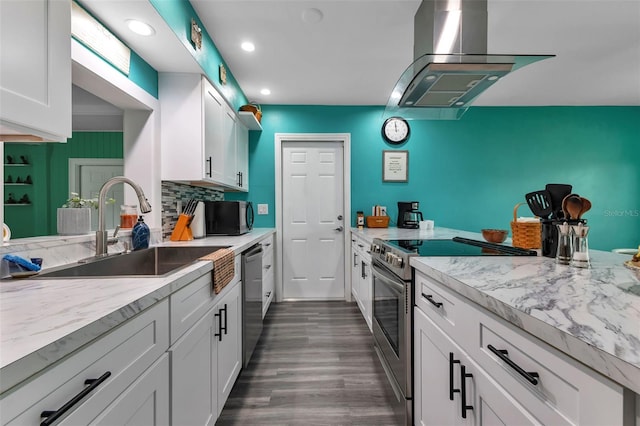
(565, 246)
(580, 257)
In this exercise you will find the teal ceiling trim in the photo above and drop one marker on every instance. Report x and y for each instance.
(178, 15)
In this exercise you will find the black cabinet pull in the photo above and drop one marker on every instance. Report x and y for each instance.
(219, 333)
(503, 354)
(429, 297)
(225, 319)
(268, 294)
(463, 385)
(209, 161)
(52, 416)
(452, 361)
(241, 179)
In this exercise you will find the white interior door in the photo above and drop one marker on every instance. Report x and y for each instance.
(313, 220)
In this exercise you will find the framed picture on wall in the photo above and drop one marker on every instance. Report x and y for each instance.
(395, 166)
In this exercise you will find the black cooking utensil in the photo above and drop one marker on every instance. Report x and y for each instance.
(558, 191)
(540, 203)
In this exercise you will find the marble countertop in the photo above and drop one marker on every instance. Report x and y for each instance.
(592, 315)
(40, 323)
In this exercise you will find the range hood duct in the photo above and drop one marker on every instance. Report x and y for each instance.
(451, 65)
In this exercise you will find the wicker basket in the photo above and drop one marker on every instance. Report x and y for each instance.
(255, 109)
(377, 221)
(526, 235)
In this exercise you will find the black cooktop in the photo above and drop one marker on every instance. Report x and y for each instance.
(458, 246)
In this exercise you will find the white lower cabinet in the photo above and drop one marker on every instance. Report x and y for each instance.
(228, 318)
(361, 279)
(194, 381)
(206, 360)
(268, 274)
(122, 359)
(145, 402)
(450, 389)
(513, 378)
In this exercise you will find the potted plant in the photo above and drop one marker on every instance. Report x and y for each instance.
(74, 217)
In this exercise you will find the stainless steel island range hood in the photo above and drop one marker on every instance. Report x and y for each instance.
(451, 66)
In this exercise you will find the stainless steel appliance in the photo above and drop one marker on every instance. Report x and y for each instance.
(228, 217)
(393, 301)
(445, 78)
(408, 214)
(251, 301)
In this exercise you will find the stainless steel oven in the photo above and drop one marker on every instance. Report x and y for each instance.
(392, 330)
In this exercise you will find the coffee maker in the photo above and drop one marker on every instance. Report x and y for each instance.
(408, 215)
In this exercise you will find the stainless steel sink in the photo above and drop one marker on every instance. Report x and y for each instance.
(154, 262)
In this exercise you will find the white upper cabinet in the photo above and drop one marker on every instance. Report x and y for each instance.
(35, 70)
(199, 133)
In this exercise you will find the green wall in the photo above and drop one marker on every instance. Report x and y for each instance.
(469, 174)
(49, 170)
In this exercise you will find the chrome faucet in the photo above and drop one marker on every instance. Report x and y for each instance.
(101, 233)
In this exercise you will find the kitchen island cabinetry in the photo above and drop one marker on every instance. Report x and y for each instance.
(451, 390)
(201, 137)
(130, 360)
(35, 72)
(361, 279)
(515, 377)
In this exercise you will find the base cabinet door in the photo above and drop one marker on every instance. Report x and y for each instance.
(145, 402)
(194, 375)
(433, 386)
(228, 334)
(450, 389)
(355, 274)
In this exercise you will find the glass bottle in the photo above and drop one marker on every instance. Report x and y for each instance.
(580, 257)
(128, 216)
(564, 249)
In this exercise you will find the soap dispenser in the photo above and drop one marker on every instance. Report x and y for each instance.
(140, 235)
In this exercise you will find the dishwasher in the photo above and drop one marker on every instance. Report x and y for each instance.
(251, 300)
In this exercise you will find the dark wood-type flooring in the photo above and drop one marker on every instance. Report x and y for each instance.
(314, 365)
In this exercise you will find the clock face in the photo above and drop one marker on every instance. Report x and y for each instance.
(395, 130)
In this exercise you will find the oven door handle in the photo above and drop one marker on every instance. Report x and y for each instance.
(394, 284)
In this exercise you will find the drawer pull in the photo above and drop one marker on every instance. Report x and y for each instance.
(52, 416)
(429, 297)
(463, 385)
(267, 267)
(451, 388)
(268, 294)
(503, 354)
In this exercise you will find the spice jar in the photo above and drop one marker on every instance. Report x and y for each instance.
(360, 219)
(128, 216)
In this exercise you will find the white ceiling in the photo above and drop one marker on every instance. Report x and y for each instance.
(355, 54)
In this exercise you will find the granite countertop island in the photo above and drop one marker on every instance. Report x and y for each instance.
(592, 315)
(43, 320)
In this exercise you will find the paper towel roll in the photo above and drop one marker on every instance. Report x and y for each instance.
(198, 224)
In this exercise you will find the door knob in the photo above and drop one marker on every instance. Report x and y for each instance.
(339, 229)
(339, 217)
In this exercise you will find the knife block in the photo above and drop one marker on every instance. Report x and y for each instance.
(182, 230)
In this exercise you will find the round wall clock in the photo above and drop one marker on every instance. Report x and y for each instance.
(395, 130)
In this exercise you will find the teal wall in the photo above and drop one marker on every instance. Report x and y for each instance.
(140, 72)
(469, 174)
(178, 14)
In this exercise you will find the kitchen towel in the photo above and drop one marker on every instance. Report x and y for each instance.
(223, 268)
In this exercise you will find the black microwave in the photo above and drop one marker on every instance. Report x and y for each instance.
(228, 217)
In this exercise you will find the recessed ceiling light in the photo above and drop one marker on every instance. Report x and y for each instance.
(139, 27)
(265, 91)
(247, 46)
